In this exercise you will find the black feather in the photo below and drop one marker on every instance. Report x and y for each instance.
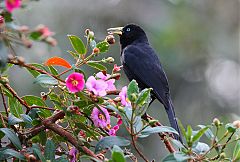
(140, 62)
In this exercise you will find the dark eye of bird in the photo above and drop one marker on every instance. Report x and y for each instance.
(128, 29)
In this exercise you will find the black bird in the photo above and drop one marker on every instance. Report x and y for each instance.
(140, 62)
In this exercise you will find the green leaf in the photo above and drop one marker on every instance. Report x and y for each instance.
(43, 137)
(111, 107)
(33, 100)
(7, 16)
(103, 46)
(143, 101)
(143, 97)
(169, 158)
(35, 73)
(15, 107)
(189, 135)
(208, 132)
(108, 142)
(159, 129)
(199, 134)
(77, 44)
(181, 157)
(37, 152)
(10, 152)
(236, 151)
(62, 158)
(201, 148)
(35, 35)
(117, 154)
(12, 137)
(91, 158)
(132, 90)
(230, 127)
(97, 66)
(92, 44)
(53, 70)
(177, 143)
(13, 119)
(182, 129)
(3, 61)
(45, 80)
(49, 151)
(137, 124)
(74, 54)
(28, 120)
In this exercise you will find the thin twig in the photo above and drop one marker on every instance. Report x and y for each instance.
(3, 122)
(4, 101)
(133, 137)
(29, 66)
(163, 137)
(8, 87)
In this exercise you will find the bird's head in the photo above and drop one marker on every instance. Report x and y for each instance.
(129, 34)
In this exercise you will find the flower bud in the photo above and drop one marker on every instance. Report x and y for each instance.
(134, 96)
(120, 108)
(87, 31)
(110, 60)
(116, 76)
(96, 50)
(2, 22)
(237, 124)
(11, 57)
(4, 80)
(23, 28)
(110, 39)
(91, 34)
(44, 96)
(20, 60)
(152, 122)
(222, 155)
(216, 122)
(51, 41)
(116, 68)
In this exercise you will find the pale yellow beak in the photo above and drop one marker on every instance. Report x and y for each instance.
(117, 30)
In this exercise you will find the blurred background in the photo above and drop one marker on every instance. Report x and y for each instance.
(197, 42)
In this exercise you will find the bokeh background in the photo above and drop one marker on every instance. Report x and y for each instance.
(197, 42)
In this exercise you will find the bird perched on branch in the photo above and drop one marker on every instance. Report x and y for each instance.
(140, 62)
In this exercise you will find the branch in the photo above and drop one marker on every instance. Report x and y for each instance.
(29, 66)
(163, 137)
(8, 87)
(49, 123)
(4, 101)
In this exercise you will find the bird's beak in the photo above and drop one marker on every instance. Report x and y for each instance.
(117, 30)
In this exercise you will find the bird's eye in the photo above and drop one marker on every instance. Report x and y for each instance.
(128, 29)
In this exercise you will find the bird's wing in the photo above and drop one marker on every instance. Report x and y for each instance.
(142, 64)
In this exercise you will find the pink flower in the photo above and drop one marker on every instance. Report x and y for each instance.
(100, 75)
(116, 68)
(99, 119)
(109, 82)
(113, 131)
(98, 87)
(123, 97)
(73, 153)
(44, 30)
(111, 86)
(75, 82)
(12, 4)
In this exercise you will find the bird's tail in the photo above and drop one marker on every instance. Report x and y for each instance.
(172, 119)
